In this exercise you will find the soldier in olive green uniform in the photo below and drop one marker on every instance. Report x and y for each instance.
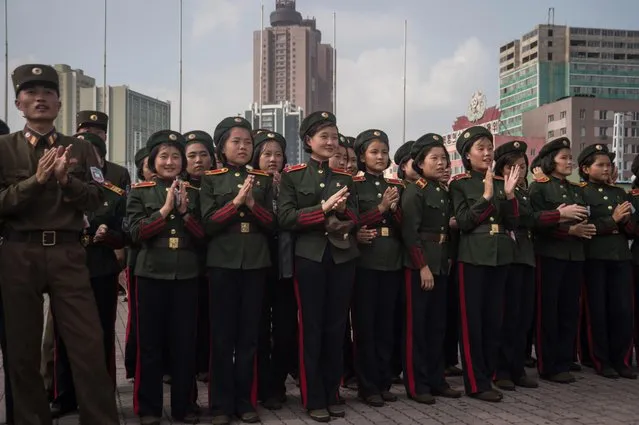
(560, 254)
(519, 304)
(608, 267)
(200, 158)
(634, 199)
(47, 182)
(131, 338)
(97, 123)
(237, 215)
(100, 239)
(164, 219)
(319, 205)
(486, 210)
(379, 273)
(426, 211)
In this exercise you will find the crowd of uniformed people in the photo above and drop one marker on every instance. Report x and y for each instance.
(242, 270)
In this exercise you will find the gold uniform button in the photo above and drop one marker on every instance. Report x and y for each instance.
(172, 216)
(561, 187)
(383, 221)
(237, 174)
(563, 196)
(241, 214)
(442, 227)
(379, 195)
(437, 189)
(605, 198)
(609, 207)
(239, 186)
(442, 201)
(524, 198)
(600, 189)
(492, 218)
(173, 231)
(320, 171)
(322, 185)
(376, 183)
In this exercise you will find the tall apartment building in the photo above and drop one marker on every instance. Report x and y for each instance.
(554, 61)
(296, 65)
(133, 117)
(284, 118)
(71, 81)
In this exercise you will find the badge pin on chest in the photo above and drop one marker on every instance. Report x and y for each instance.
(106, 203)
(338, 184)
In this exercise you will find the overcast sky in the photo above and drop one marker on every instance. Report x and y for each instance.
(453, 50)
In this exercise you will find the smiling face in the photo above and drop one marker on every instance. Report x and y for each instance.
(168, 162)
(324, 143)
(238, 148)
(38, 104)
(481, 154)
(271, 157)
(563, 163)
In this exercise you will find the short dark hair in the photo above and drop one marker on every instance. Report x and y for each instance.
(547, 164)
(316, 128)
(509, 159)
(220, 146)
(156, 150)
(361, 165)
(587, 163)
(255, 162)
(420, 157)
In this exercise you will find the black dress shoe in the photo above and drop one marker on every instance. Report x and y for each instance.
(220, 420)
(446, 392)
(337, 410)
(627, 373)
(505, 384)
(319, 415)
(389, 396)
(59, 409)
(374, 400)
(453, 371)
(530, 362)
(250, 417)
(272, 403)
(189, 418)
(608, 372)
(491, 396)
(575, 367)
(423, 398)
(526, 382)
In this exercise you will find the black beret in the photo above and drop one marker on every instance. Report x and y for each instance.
(92, 119)
(468, 137)
(95, 140)
(260, 130)
(264, 137)
(403, 152)
(226, 125)
(165, 136)
(514, 146)
(553, 146)
(32, 74)
(199, 136)
(316, 118)
(430, 139)
(139, 156)
(4, 128)
(363, 139)
(350, 142)
(591, 150)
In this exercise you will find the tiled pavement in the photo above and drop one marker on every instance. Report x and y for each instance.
(592, 400)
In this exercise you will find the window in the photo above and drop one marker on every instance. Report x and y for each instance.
(563, 131)
(549, 43)
(549, 56)
(582, 115)
(551, 134)
(551, 118)
(550, 33)
(603, 115)
(603, 131)
(583, 132)
(533, 152)
(562, 115)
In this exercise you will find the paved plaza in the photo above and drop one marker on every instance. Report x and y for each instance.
(592, 400)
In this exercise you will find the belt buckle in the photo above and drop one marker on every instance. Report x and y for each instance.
(442, 238)
(245, 227)
(174, 243)
(385, 231)
(86, 240)
(494, 228)
(49, 238)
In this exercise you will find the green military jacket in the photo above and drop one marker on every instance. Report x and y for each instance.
(117, 174)
(632, 228)
(101, 260)
(611, 241)
(485, 226)
(302, 189)
(196, 182)
(168, 247)
(239, 236)
(529, 220)
(546, 194)
(385, 251)
(426, 210)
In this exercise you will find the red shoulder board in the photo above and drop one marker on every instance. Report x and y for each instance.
(359, 179)
(295, 167)
(422, 183)
(461, 176)
(143, 184)
(542, 178)
(107, 184)
(396, 181)
(216, 172)
(340, 171)
(580, 184)
(258, 172)
(634, 192)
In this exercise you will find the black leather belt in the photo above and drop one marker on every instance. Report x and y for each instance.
(42, 237)
(385, 232)
(440, 238)
(492, 229)
(243, 227)
(169, 243)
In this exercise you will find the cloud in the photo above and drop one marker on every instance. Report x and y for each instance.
(210, 15)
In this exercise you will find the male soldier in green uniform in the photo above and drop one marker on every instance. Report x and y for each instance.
(98, 123)
(48, 181)
(103, 235)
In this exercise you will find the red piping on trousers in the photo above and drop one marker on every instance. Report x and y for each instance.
(591, 349)
(464, 327)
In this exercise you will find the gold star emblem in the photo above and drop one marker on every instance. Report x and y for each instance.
(172, 137)
(598, 147)
(191, 136)
(467, 135)
(270, 135)
(93, 117)
(516, 144)
(338, 184)
(238, 119)
(324, 114)
(342, 139)
(36, 71)
(377, 133)
(435, 137)
(565, 142)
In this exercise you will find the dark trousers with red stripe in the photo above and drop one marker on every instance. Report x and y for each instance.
(167, 311)
(424, 330)
(481, 305)
(277, 350)
(558, 288)
(105, 290)
(203, 330)
(235, 308)
(519, 305)
(8, 393)
(373, 314)
(131, 340)
(323, 292)
(349, 355)
(451, 339)
(609, 312)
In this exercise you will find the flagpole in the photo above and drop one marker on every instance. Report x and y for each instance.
(405, 60)
(261, 86)
(335, 63)
(180, 101)
(104, 76)
(6, 62)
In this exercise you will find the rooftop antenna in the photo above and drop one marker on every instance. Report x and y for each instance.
(551, 16)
